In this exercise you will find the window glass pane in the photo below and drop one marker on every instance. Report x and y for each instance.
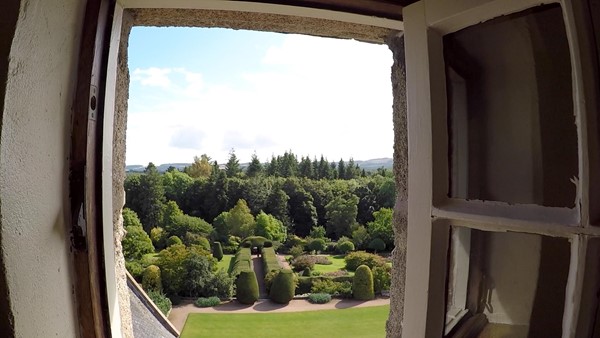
(512, 132)
(514, 284)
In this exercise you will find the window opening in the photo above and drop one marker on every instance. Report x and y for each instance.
(515, 283)
(511, 127)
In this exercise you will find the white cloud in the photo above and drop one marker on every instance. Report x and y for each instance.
(317, 96)
(158, 77)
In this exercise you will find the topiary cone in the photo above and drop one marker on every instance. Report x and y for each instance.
(362, 284)
(282, 289)
(247, 287)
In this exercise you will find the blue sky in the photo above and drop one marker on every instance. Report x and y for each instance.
(207, 90)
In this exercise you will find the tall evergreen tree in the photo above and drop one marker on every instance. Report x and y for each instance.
(305, 168)
(323, 168)
(151, 198)
(341, 169)
(255, 167)
(232, 167)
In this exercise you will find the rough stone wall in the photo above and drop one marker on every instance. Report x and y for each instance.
(120, 126)
(257, 22)
(400, 224)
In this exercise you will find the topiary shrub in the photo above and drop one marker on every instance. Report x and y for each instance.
(317, 245)
(283, 286)
(306, 272)
(319, 298)
(151, 279)
(207, 302)
(173, 240)
(217, 251)
(345, 247)
(161, 301)
(246, 287)
(268, 244)
(377, 245)
(358, 258)
(362, 285)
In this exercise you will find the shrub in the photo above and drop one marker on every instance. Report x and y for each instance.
(327, 285)
(319, 298)
(338, 273)
(305, 284)
(173, 240)
(322, 260)
(345, 247)
(282, 289)
(302, 262)
(136, 269)
(358, 258)
(377, 244)
(207, 301)
(269, 260)
(317, 245)
(175, 299)
(268, 244)
(217, 251)
(151, 279)
(136, 243)
(318, 232)
(382, 278)
(195, 239)
(247, 287)
(269, 279)
(306, 272)
(296, 250)
(161, 301)
(159, 238)
(219, 285)
(362, 286)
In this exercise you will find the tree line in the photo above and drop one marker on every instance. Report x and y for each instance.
(276, 199)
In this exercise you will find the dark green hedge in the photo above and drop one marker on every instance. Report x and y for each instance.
(247, 287)
(282, 289)
(269, 260)
(242, 261)
(217, 251)
(362, 287)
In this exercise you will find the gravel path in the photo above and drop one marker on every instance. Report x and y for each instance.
(179, 313)
(282, 262)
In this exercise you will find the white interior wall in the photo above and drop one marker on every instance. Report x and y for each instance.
(34, 152)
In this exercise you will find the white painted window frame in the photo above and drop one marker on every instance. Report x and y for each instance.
(111, 86)
(431, 212)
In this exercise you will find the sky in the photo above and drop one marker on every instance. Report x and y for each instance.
(197, 91)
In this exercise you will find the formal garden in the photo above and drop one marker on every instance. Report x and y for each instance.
(268, 244)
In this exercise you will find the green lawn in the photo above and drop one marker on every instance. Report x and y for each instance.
(224, 263)
(338, 264)
(367, 322)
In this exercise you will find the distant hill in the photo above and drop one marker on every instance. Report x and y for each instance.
(368, 165)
